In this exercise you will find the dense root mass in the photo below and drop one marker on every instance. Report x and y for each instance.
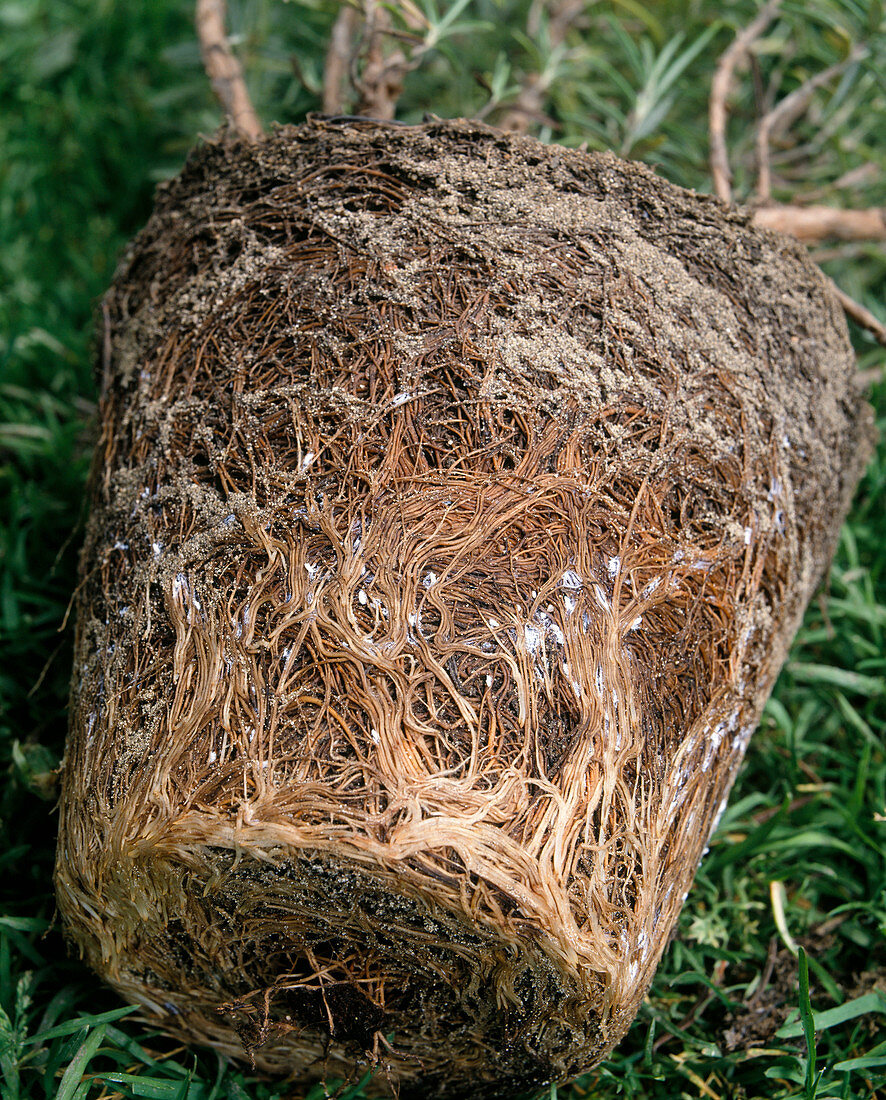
(456, 502)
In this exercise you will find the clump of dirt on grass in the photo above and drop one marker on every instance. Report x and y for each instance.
(456, 502)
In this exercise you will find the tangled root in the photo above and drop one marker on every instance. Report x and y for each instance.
(456, 502)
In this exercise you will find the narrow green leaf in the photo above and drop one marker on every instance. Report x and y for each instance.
(644, 13)
(24, 924)
(126, 1043)
(875, 1062)
(151, 1088)
(807, 1021)
(833, 1017)
(854, 682)
(71, 1080)
(81, 1022)
(873, 613)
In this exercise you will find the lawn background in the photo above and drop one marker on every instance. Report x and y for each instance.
(101, 100)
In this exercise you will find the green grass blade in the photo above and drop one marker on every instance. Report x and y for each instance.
(807, 1020)
(81, 1022)
(833, 1017)
(70, 1085)
(854, 682)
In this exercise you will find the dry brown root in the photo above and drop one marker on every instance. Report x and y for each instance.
(456, 502)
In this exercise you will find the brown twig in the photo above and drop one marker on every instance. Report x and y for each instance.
(818, 223)
(771, 958)
(528, 105)
(223, 70)
(854, 177)
(849, 252)
(861, 316)
(381, 81)
(338, 60)
(807, 223)
(720, 88)
(867, 379)
(788, 111)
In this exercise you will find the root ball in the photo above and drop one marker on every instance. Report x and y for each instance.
(456, 502)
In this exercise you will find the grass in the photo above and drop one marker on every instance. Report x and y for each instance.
(781, 944)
